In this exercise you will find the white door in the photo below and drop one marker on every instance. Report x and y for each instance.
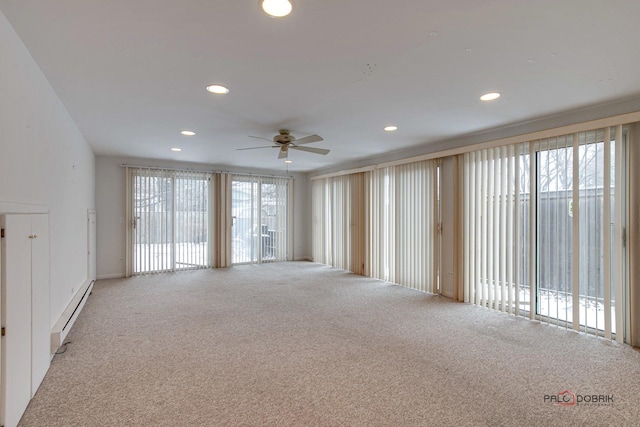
(25, 312)
(40, 301)
(16, 313)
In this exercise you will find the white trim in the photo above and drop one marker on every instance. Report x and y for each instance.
(22, 208)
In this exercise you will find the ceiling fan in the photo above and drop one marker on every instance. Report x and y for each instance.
(285, 141)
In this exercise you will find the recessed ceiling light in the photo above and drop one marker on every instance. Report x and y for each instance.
(490, 96)
(218, 89)
(176, 149)
(288, 161)
(277, 8)
(391, 128)
(187, 133)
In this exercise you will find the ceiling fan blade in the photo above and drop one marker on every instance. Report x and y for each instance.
(311, 150)
(308, 139)
(255, 148)
(258, 137)
(283, 154)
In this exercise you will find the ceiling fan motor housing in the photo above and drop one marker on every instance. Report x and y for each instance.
(284, 138)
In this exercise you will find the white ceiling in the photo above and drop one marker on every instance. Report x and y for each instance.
(133, 73)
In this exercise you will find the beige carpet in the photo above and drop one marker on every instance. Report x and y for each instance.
(303, 344)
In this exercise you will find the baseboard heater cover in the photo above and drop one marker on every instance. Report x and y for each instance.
(69, 316)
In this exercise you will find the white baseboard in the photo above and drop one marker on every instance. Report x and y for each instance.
(110, 276)
(69, 316)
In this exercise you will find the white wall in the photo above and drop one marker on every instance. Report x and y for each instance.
(111, 205)
(44, 160)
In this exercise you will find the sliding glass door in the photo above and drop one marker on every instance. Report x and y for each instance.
(260, 210)
(544, 229)
(589, 180)
(170, 220)
(554, 238)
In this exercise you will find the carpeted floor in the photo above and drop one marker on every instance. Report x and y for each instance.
(298, 344)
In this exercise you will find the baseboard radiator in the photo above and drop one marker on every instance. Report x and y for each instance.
(69, 316)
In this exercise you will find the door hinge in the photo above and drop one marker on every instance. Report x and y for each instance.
(2, 233)
(3, 331)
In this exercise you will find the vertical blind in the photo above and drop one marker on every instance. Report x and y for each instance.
(261, 219)
(340, 221)
(276, 200)
(184, 219)
(170, 220)
(379, 223)
(222, 219)
(495, 228)
(543, 226)
(402, 228)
